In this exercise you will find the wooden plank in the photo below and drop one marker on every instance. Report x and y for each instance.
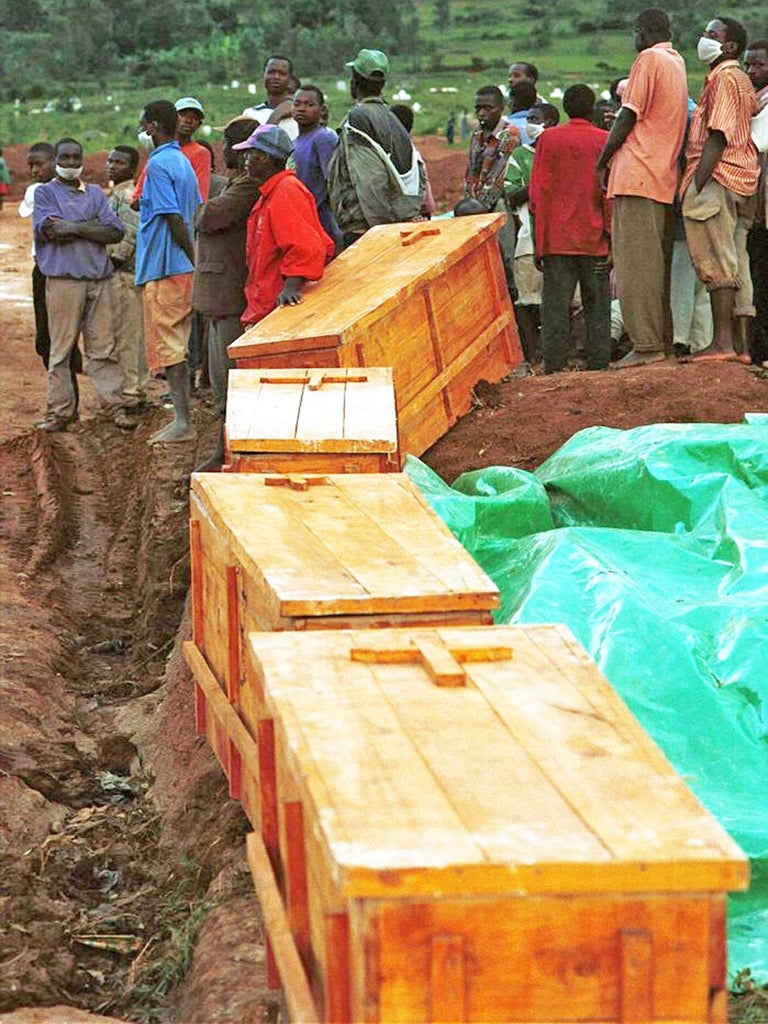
(258, 412)
(268, 793)
(370, 413)
(636, 973)
(296, 879)
(718, 988)
(312, 462)
(196, 574)
(447, 982)
(643, 812)
(338, 1004)
(351, 547)
(219, 706)
(321, 416)
(301, 1005)
(233, 631)
(364, 280)
(544, 959)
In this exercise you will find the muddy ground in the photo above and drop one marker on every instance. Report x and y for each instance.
(123, 887)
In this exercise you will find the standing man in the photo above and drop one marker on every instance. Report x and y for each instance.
(40, 160)
(73, 224)
(490, 148)
(522, 71)
(719, 186)
(190, 117)
(122, 163)
(278, 107)
(312, 152)
(528, 279)
(286, 245)
(756, 66)
(572, 231)
(643, 150)
(165, 261)
(221, 271)
(522, 96)
(374, 176)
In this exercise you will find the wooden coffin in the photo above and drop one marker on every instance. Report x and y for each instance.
(311, 421)
(430, 300)
(469, 825)
(321, 552)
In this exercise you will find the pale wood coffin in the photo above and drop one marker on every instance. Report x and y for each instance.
(469, 825)
(321, 552)
(339, 420)
(429, 300)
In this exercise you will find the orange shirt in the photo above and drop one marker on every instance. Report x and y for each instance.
(727, 105)
(657, 91)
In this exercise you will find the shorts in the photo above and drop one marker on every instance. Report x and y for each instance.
(167, 310)
(716, 225)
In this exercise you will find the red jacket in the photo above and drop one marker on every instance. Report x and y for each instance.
(285, 239)
(570, 212)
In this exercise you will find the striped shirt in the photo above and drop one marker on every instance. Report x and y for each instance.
(727, 105)
(487, 166)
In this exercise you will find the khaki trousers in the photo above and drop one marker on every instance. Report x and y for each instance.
(128, 327)
(86, 306)
(642, 237)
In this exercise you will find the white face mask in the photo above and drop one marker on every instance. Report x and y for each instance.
(69, 173)
(708, 50)
(534, 130)
(145, 140)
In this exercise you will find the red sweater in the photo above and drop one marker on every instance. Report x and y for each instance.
(570, 211)
(285, 239)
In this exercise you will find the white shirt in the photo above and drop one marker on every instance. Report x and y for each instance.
(27, 205)
(262, 113)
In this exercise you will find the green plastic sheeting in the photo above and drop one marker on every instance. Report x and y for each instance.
(652, 546)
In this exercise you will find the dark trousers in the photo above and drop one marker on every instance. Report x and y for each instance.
(42, 334)
(757, 247)
(560, 276)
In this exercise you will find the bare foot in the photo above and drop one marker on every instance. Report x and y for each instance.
(174, 433)
(715, 353)
(638, 359)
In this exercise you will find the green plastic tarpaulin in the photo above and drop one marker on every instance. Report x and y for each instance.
(652, 546)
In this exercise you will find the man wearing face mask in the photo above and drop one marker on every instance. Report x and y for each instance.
(643, 150)
(718, 188)
(73, 224)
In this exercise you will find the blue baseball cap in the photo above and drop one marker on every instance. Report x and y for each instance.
(189, 103)
(269, 139)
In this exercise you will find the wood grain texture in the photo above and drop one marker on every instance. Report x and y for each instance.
(437, 311)
(301, 1005)
(361, 544)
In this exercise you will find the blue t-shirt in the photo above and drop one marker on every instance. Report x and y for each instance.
(76, 257)
(170, 186)
(312, 152)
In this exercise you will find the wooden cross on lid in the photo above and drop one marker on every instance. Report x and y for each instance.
(316, 378)
(410, 235)
(294, 481)
(441, 660)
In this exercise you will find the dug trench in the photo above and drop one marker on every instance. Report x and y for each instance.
(119, 847)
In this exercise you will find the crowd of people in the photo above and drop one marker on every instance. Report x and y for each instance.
(656, 228)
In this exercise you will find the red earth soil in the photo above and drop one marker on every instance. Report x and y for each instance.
(113, 816)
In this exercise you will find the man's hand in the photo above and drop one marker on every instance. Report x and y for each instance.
(538, 262)
(57, 230)
(291, 293)
(517, 197)
(284, 109)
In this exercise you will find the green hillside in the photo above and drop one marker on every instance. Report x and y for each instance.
(86, 67)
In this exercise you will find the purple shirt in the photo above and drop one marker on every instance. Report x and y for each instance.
(78, 257)
(311, 155)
